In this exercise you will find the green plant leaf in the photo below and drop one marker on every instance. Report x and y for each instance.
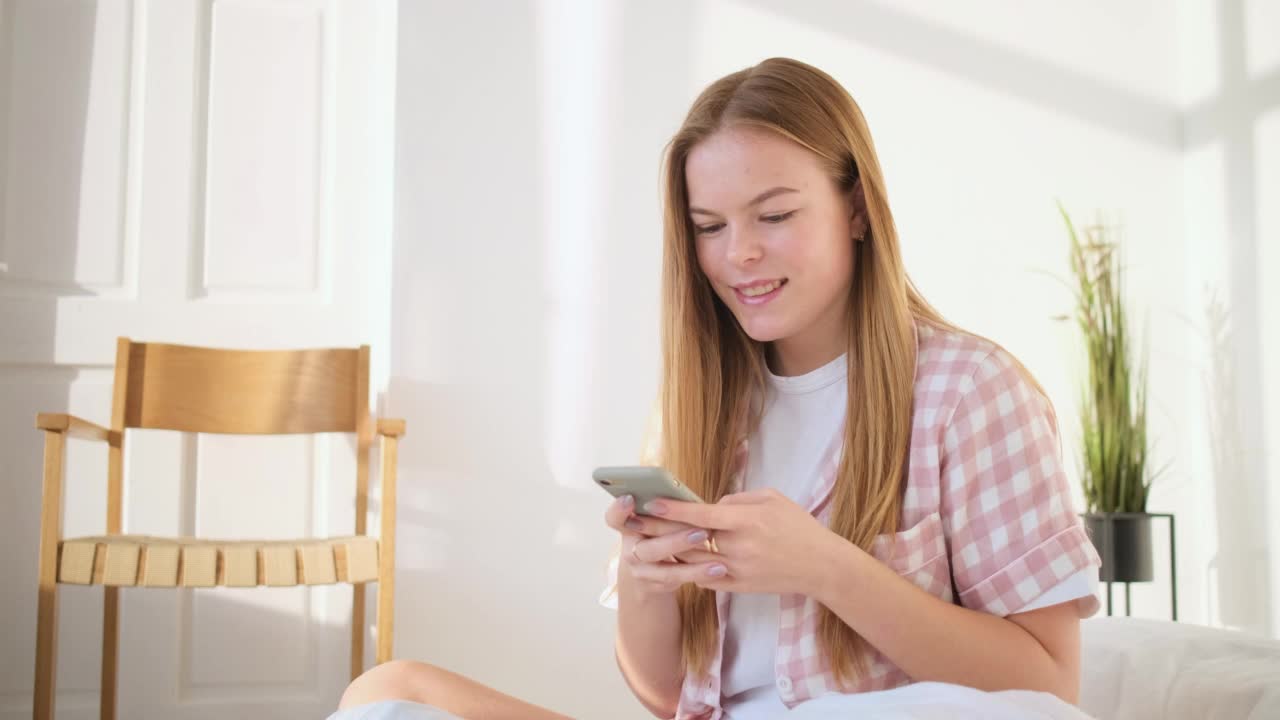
(1113, 408)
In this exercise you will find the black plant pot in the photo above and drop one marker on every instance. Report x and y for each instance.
(1129, 557)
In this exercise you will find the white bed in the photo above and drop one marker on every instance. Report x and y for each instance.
(1130, 670)
(1149, 670)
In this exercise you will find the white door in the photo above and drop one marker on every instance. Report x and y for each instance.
(212, 172)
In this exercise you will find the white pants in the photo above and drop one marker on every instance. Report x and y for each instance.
(393, 710)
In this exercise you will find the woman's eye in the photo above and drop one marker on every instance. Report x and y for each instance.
(714, 228)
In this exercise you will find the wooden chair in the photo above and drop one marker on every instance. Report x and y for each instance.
(193, 389)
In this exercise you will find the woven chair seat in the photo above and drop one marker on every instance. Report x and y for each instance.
(169, 562)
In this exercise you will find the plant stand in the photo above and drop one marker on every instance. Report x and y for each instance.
(1108, 558)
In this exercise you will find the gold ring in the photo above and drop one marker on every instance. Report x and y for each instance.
(710, 545)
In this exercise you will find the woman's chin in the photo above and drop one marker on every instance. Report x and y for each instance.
(763, 332)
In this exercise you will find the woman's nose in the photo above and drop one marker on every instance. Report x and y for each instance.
(743, 247)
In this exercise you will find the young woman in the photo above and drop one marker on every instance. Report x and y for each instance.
(886, 502)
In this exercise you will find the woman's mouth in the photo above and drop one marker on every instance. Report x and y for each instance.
(759, 293)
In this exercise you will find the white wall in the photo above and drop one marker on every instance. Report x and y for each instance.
(1229, 93)
(523, 332)
(527, 255)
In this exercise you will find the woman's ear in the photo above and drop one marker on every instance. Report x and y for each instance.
(859, 224)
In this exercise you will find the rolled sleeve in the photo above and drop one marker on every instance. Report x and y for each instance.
(1006, 503)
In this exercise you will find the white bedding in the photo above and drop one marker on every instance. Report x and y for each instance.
(1130, 670)
(921, 701)
(1145, 669)
(937, 701)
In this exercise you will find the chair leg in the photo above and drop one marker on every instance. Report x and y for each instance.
(46, 652)
(42, 700)
(386, 614)
(387, 550)
(110, 651)
(357, 630)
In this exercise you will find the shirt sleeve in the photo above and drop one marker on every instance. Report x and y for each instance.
(1077, 587)
(1006, 504)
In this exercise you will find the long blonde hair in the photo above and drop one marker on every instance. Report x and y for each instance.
(712, 369)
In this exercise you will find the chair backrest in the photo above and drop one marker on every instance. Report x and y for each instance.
(263, 392)
(210, 390)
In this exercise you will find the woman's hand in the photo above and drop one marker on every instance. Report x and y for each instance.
(766, 542)
(656, 552)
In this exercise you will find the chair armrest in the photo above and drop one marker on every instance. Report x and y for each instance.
(390, 427)
(72, 426)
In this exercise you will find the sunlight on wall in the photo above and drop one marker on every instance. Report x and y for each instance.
(1261, 18)
(1268, 228)
(576, 39)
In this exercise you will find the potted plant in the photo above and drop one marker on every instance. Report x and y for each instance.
(1113, 412)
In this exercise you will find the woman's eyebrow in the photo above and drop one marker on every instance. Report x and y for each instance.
(771, 192)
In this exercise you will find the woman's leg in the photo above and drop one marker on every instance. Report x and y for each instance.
(430, 685)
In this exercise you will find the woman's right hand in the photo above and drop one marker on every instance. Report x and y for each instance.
(660, 555)
(648, 643)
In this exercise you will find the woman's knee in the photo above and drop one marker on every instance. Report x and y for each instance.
(392, 680)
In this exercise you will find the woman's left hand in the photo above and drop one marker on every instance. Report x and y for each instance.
(767, 543)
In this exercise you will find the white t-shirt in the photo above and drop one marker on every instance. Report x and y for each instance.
(802, 414)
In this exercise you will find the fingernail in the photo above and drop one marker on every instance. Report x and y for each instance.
(633, 524)
(628, 501)
(698, 536)
(717, 571)
(656, 507)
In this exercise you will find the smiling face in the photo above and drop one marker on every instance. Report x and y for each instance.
(775, 237)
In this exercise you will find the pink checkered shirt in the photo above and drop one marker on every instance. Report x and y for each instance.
(986, 504)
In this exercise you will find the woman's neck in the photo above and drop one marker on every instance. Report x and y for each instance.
(799, 355)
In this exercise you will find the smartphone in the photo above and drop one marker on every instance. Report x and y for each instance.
(644, 483)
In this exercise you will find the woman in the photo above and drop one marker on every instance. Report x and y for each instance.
(886, 503)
